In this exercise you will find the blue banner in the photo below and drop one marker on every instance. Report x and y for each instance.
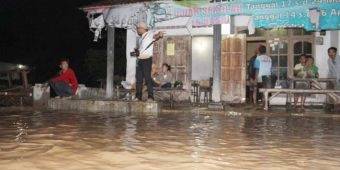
(266, 13)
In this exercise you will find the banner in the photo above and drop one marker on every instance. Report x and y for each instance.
(265, 13)
(330, 16)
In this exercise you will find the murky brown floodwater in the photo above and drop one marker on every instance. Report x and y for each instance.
(48, 141)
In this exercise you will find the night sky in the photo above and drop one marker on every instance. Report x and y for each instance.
(41, 32)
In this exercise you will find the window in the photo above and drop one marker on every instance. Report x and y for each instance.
(302, 47)
(279, 52)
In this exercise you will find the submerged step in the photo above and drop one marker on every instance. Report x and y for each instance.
(90, 105)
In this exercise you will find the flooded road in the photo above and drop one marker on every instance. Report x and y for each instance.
(179, 141)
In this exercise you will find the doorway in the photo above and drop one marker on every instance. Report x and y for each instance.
(202, 57)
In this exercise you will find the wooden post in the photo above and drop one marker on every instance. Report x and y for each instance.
(9, 78)
(232, 25)
(24, 79)
(216, 89)
(110, 61)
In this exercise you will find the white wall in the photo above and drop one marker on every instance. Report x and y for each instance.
(202, 57)
(331, 39)
(130, 61)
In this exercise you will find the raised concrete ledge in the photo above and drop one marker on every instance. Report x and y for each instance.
(89, 105)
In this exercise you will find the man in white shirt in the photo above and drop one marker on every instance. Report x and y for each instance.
(263, 66)
(334, 65)
(144, 59)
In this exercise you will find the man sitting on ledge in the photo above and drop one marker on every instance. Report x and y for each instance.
(65, 84)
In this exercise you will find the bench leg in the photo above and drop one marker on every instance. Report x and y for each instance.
(171, 100)
(266, 103)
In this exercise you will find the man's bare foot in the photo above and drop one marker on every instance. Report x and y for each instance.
(150, 100)
(68, 97)
(136, 99)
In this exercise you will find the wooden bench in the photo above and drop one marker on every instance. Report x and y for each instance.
(289, 92)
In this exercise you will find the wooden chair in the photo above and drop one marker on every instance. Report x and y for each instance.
(206, 89)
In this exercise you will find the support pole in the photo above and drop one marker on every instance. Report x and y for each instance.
(24, 78)
(216, 89)
(232, 25)
(9, 78)
(110, 61)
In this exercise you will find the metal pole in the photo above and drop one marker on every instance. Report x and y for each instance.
(110, 62)
(216, 89)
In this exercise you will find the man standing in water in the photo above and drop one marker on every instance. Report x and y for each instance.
(263, 66)
(334, 65)
(65, 84)
(144, 59)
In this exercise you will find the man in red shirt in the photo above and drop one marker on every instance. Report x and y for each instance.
(65, 84)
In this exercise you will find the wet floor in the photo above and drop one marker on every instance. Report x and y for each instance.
(192, 140)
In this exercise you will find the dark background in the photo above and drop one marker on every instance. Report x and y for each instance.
(39, 33)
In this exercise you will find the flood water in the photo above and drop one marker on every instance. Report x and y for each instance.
(179, 141)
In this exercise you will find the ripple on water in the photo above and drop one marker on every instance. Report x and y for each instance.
(193, 140)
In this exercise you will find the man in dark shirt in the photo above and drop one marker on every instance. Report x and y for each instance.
(65, 84)
(251, 74)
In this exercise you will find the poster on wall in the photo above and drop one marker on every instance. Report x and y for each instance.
(170, 49)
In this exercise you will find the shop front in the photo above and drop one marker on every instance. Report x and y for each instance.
(192, 32)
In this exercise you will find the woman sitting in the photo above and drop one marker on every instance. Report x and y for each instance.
(164, 78)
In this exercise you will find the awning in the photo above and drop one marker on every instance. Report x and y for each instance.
(307, 14)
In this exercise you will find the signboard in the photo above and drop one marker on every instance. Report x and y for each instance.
(266, 13)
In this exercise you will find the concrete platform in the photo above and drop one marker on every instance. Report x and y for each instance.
(91, 105)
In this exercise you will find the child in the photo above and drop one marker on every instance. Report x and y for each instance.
(311, 69)
(299, 72)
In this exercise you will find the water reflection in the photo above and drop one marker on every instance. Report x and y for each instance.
(194, 140)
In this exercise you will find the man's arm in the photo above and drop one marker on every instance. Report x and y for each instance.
(73, 79)
(159, 35)
(257, 68)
